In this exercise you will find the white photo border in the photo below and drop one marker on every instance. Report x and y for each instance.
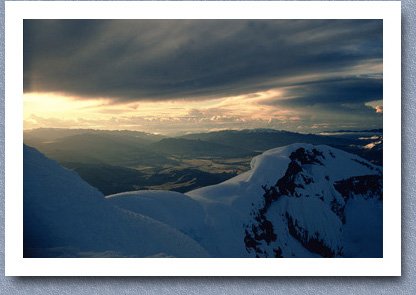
(388, 11)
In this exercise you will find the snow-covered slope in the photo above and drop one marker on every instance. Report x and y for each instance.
(175, 209)
(296, 201)
(66, 217)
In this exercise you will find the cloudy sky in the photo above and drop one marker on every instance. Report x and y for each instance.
(169, 76)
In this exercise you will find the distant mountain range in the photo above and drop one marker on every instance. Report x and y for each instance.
(116, 161)
(264, 139)
(357, 131)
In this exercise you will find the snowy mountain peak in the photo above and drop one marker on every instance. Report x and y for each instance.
(295, 201)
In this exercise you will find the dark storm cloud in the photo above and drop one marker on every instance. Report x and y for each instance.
(130, 60)
(349, 91)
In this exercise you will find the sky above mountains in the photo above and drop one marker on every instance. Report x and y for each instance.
(170, 76)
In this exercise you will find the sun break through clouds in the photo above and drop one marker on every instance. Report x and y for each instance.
(171, 76)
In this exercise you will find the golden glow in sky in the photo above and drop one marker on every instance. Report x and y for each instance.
(53, 110)
(172, 116)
